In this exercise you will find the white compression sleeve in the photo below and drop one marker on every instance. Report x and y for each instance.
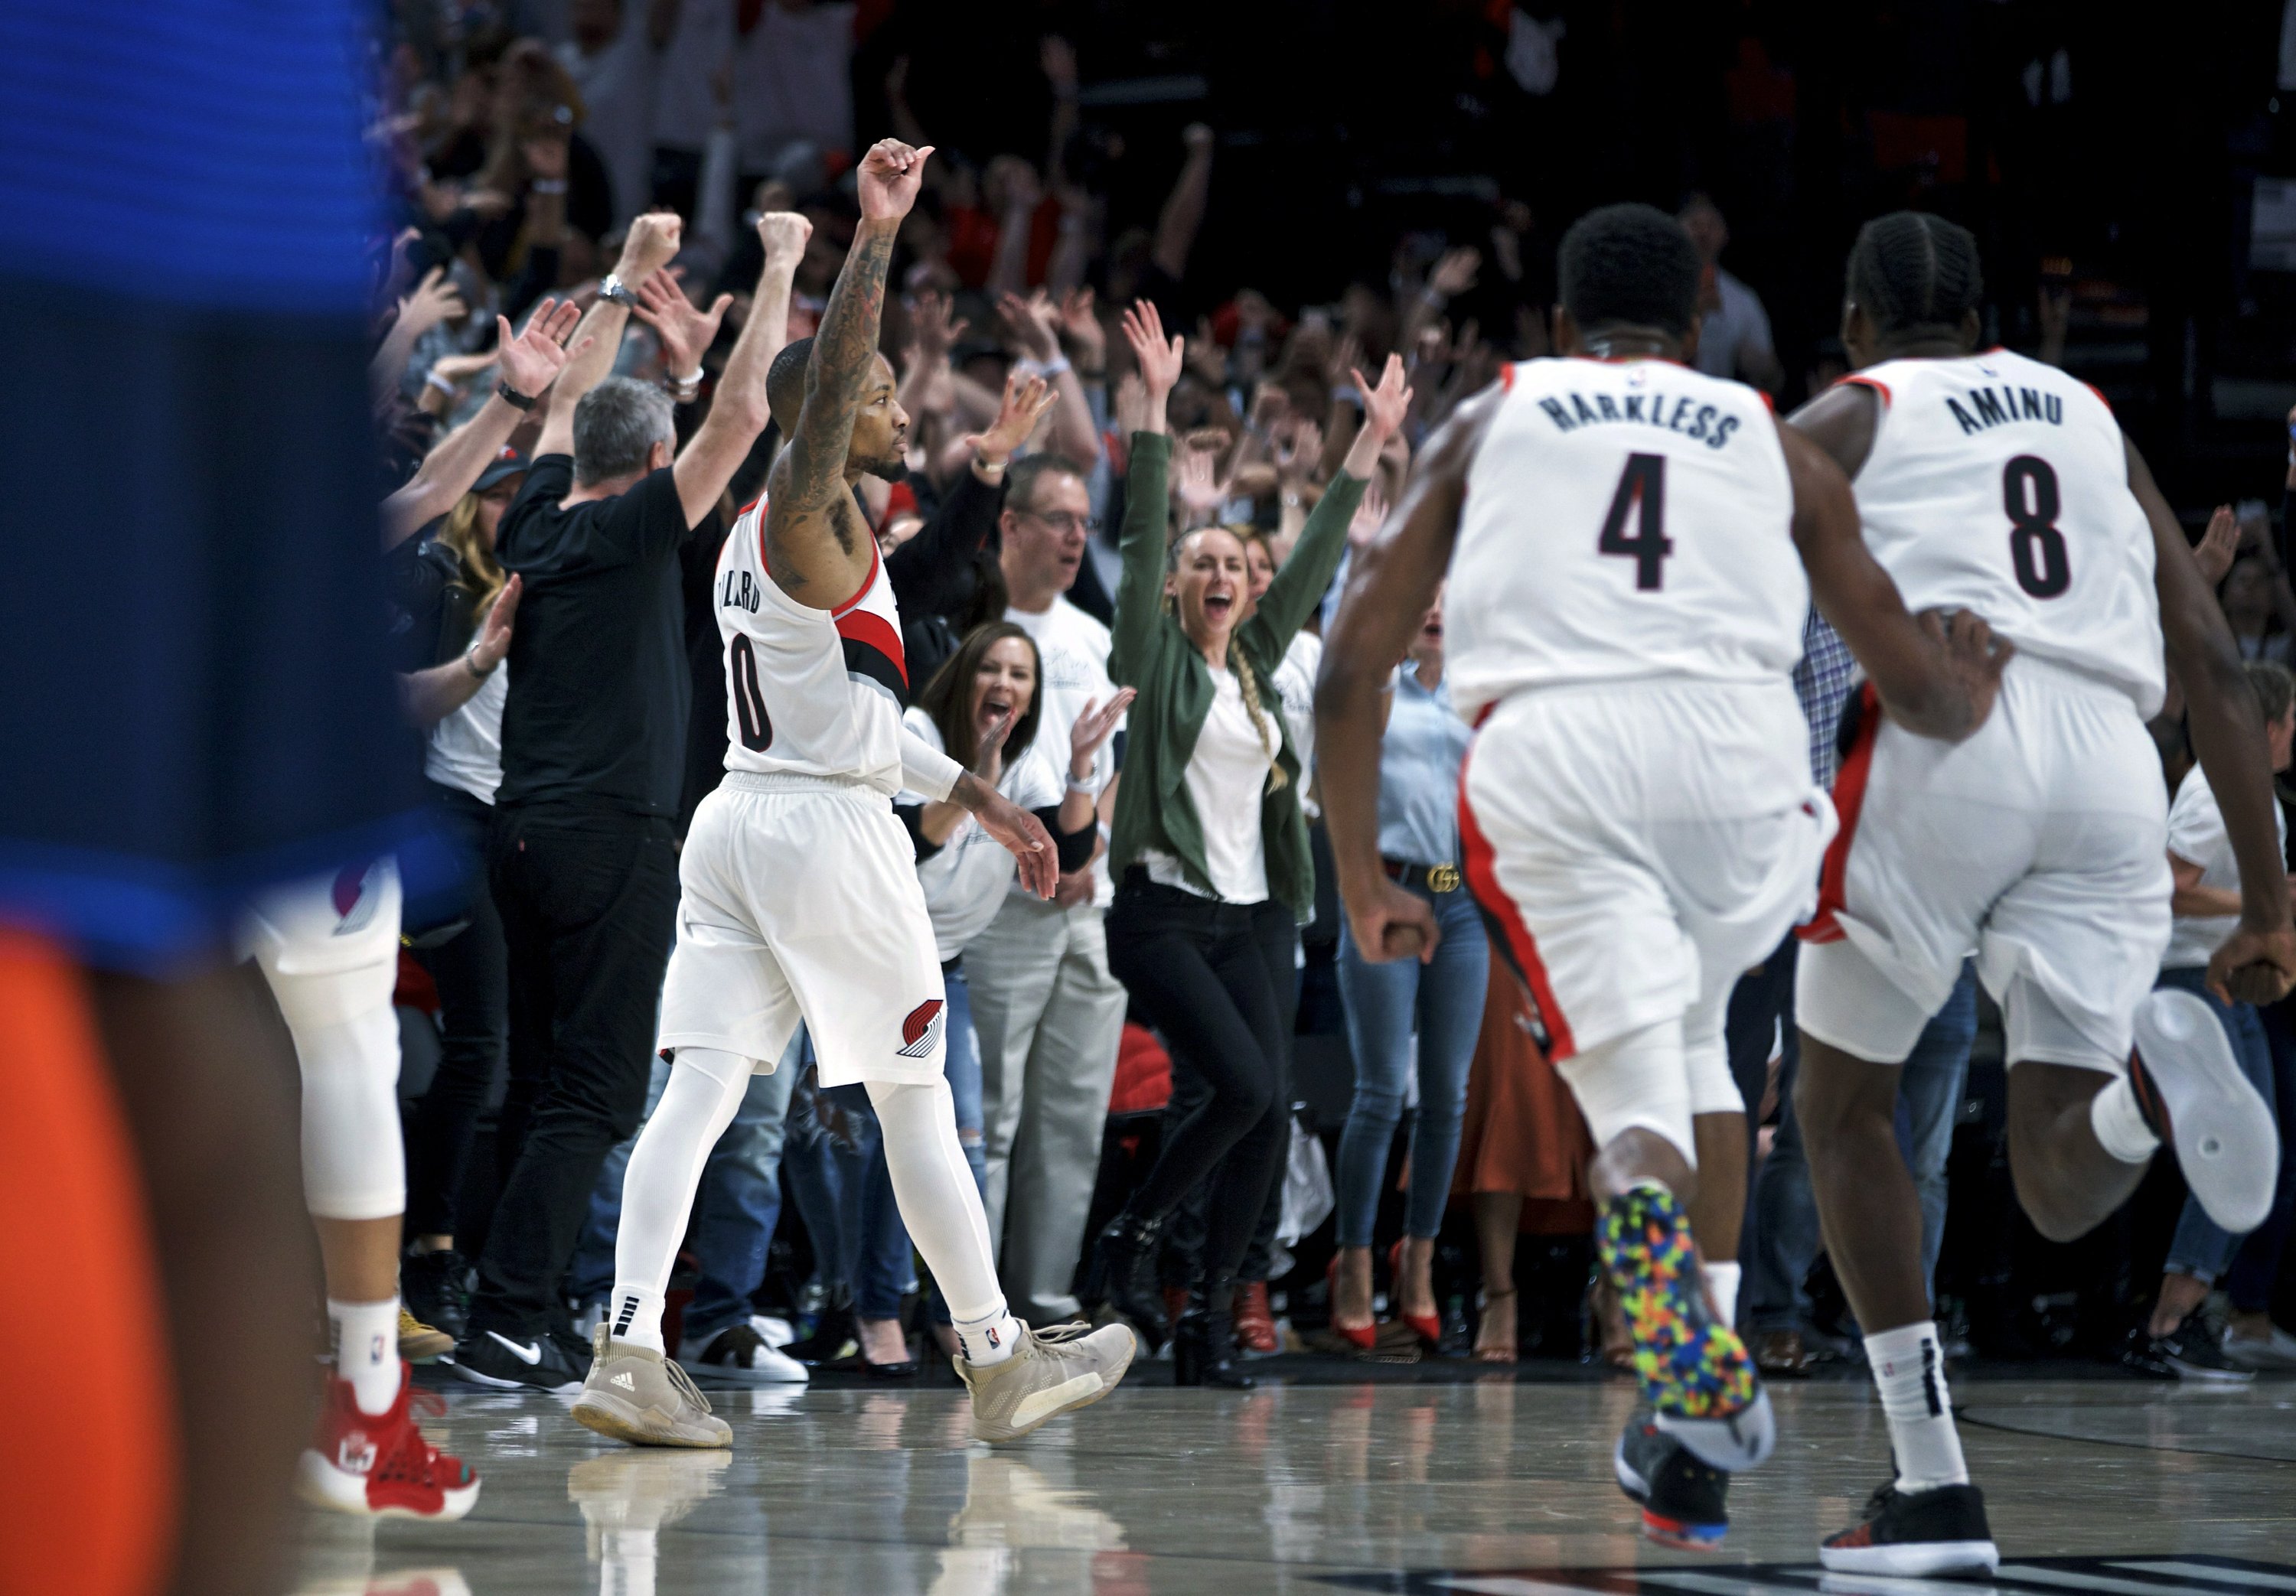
(705, 1090)
(940, 1204)
(925, 770)
(353, 1160)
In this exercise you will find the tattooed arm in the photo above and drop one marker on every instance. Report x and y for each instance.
(817, 545)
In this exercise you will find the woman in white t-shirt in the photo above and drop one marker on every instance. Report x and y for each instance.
(2206, 904)
(983, 708)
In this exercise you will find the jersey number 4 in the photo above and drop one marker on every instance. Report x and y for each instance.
(2029, 494)
(749, 702)
(1643, 488)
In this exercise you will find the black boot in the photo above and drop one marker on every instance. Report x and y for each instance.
(1123, 1275)
(836, 1337)
(433, 1285)
(1204, 1344)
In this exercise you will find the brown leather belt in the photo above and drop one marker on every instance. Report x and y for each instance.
(1437, 879)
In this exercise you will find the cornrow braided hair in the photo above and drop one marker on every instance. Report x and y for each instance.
(1915, 272)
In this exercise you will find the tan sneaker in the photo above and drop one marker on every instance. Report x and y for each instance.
(635, 1395)
(418, 1343)
(1053, 1371)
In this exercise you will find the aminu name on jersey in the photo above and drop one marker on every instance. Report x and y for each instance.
(1652, 410)
(1989, 408)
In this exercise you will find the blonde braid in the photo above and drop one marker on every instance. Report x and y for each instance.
(1250, 683)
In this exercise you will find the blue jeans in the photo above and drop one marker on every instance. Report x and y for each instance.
(2200, 1248)
(1445, 998)
(964, 1072)
(1784, 1237)
(736, 1208)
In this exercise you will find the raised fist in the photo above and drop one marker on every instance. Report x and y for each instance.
(653, 243)
(889, 178)
(783, 233)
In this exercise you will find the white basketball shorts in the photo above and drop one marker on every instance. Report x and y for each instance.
(799, 900)
(328, 945)
(2040, 845)
(1637, 845)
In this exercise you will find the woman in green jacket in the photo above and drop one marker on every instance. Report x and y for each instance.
(1210, 850)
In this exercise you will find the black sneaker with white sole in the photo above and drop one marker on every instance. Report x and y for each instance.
(1684, 1502)
(2187, 1353)
(529, 1362)
(1919, 1534)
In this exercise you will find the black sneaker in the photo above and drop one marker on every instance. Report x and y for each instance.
(1941, 1530)
(1684, 1502)
(434, 1286)
(550, 1362)
(2188, 1352)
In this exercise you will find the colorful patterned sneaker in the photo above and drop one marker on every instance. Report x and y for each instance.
(1684, 1503)
(1919, 1535)
(379, 1465)
(1694, 1370)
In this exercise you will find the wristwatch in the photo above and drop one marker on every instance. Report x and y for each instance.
(511, 397)
(470, 663)
(615, 291)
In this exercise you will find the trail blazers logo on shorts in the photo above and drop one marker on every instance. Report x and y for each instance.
(921, 1031)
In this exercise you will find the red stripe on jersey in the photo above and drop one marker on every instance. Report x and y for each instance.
(873, 631)
(876, 562)
(2100, 396)
(1877, 386)
(1507, 378)
(1849, 798)
(1520, 947)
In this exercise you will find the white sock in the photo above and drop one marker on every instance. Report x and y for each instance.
(989, 1341)
(634, 1312)
(366, 1351)
(2120, 1124)
(704, 1092)
(1910, 1370)
(1722, 1287)
(932, 1182)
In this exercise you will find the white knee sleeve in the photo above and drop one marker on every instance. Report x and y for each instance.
(939, 1204)
(354, 1163)
(1639, 1079)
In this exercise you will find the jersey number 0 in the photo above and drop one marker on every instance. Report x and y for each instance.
(749, 700)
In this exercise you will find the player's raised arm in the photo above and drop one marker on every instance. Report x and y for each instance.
(1937, 677)
(2258, 961)
(817, 545)
(738, 411)
(1390, 584)
(653, 239)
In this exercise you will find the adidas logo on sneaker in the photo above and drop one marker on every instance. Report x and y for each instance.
(623, 1380)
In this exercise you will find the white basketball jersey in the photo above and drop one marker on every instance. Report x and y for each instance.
(1623, 518)
(810, 692)
(2000, 486)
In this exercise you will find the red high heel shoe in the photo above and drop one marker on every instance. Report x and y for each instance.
(1363, 1337)
(1427, 1327)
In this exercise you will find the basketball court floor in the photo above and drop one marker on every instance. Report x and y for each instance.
(1417, 1482)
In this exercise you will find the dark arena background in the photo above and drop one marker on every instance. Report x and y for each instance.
(259, 263)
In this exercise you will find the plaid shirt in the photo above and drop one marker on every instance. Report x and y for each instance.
(1822, 681)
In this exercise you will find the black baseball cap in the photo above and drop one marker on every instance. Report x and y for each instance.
(506, 464)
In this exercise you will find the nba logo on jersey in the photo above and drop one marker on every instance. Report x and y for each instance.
(357, 894)
(921, 1029)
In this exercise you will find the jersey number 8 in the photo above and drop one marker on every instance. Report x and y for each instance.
(748, 701)
(2029, 494)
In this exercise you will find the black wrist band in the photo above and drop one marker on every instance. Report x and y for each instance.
(511, 397)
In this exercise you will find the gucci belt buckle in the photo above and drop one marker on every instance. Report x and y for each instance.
(1442, 878)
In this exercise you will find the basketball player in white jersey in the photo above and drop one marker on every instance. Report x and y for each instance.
(1632, 550)
(1994, 483)
(798, 890)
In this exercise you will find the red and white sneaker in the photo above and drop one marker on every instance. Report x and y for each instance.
(380, 1466)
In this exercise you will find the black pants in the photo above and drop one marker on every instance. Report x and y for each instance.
(471, 970)
(1216, 980)
(1181, 1263)
(589, 903)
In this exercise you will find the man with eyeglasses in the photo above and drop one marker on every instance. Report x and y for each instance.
(1047, 1011)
